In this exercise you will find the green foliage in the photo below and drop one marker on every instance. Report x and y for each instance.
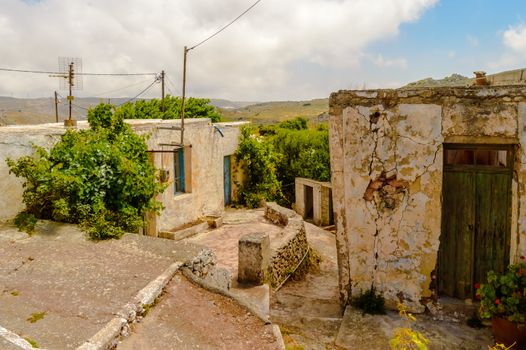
(370, 302)
(100, 178)
(304, 153)
(25, 222)
(284, 152)
(152, 109)
(259, 159)
(297, 123)
(504, 295)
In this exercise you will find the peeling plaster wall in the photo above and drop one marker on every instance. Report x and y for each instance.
(386, 160)
(203, 166)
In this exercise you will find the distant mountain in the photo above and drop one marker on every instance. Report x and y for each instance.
(15, 111)
(452, 80)
(275, 112)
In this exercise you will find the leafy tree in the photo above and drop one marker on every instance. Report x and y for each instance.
(276, 155)
(297, 123)
(303, 153)
(100, 178)
(259, 159)
(152, 109)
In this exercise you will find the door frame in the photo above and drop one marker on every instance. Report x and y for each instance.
(477, 169)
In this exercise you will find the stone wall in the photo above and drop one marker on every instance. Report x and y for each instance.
(204, 151)
(289, 248)
(387, 160)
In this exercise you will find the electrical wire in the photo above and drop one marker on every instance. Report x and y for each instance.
(173, 85)
(79, 73)
(225, 27)
(102, 94)
(140, 93)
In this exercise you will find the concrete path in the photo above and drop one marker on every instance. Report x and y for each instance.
(365, 332)
(59, 289)
(308, 310)
(223, 241)
(188, 317)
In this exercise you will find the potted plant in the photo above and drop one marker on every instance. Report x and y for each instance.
(503, 300)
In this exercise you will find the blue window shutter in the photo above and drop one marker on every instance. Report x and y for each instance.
(181, 169)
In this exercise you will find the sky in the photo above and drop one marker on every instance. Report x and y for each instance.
(280, 50)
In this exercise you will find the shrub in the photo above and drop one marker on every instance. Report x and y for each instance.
(370, 302)
(152, 109)
(259, 159)
(100, 178)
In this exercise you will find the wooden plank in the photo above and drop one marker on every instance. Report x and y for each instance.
(493, 218)
(456, 242)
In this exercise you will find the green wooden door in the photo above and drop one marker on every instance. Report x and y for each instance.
(492, 224)
(456, 243)
(476, 208)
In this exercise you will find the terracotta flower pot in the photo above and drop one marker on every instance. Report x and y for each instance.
(507, 333)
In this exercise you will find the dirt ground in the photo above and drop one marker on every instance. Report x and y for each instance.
(58, 289)
(189, 317)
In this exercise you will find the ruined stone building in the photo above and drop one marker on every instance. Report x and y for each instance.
(199, 175)
(428, 188)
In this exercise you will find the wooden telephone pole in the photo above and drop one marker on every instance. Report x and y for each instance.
(56, 106)
(70, 83)
(183, 95)
(162, 92)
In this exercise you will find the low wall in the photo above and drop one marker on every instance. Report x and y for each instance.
(288, 249)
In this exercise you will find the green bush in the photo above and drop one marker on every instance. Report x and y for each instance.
(259, 159)
(100, 178)
(370, 302)
(152, 109)
(277, 154)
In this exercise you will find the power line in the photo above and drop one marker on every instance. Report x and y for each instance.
(102, 94)
(49, 72)
(173, 85)
(140, 93)
(225, 27)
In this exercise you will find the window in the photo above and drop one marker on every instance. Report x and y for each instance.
(179, 185)
(483, 156)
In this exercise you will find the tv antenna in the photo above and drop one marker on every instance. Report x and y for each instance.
(70, 70)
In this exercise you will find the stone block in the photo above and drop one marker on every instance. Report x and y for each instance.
(253, 257)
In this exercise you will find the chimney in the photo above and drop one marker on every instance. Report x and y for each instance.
(480, 78)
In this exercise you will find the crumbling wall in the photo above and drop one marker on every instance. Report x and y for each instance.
(386, 159)
(289, 248)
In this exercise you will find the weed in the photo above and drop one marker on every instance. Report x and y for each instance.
(37, 316)
(370, 302)
(32, 342)
(15, 293)
(407, 338)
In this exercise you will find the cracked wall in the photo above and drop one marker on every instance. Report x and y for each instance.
(386, 159)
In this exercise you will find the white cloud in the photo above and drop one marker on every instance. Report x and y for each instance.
(452, 54)
(380, 61)
(250, 60)
(514, 39)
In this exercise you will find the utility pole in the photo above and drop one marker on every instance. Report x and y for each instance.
(183, 95)
(70, 83)
(56, 106)
(162, 92)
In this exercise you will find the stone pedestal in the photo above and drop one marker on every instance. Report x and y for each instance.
(253, 258)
